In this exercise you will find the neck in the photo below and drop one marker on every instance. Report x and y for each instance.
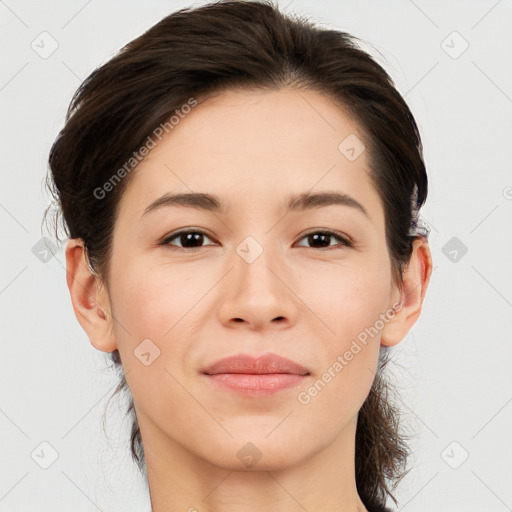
(180, 480)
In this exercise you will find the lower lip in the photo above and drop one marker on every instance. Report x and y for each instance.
(261, 384)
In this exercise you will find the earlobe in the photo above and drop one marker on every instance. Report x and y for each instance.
(416, 277)
(90, 302)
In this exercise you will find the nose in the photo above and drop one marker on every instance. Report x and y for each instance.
(259, 293)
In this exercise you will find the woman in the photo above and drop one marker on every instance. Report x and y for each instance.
(241, 192)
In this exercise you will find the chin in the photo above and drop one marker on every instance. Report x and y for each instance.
(256, 452)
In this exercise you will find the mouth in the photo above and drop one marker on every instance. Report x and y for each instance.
(259, 376)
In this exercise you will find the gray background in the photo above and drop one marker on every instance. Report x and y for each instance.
(453, 368)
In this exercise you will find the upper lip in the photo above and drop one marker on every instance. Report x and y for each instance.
(264, 364)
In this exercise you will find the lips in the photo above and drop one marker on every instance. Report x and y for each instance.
(255, 377)
(249, 365)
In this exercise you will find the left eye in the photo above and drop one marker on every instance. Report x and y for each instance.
(193, 238)
(322, 236)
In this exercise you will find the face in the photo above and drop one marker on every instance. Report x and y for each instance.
(190, 286)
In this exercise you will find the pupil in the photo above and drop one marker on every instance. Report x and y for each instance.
(325, 238)
(192, 237)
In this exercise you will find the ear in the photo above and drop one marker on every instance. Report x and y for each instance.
(89, 298)
(416, 277)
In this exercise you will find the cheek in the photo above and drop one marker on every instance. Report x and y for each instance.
(348, 299)
(153, 303)
(150, 300)
(349, 304)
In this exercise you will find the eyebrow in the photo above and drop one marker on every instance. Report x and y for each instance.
(212, 203)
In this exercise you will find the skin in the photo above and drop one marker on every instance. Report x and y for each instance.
(297, 299)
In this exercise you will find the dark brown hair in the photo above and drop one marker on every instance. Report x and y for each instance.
(243, 44)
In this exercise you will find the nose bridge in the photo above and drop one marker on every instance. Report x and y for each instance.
(256, 261)
(255, 291)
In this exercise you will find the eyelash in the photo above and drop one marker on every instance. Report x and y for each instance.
(344, 241)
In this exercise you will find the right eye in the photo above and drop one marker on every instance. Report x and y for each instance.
(190, 239)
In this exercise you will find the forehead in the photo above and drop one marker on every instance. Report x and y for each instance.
(254, 144)
(288, 124)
